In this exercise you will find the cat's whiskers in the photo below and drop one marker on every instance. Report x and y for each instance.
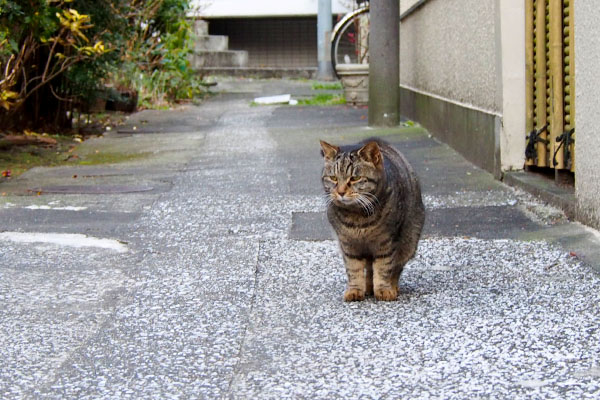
(372, 198)
(366, 203)
(327, 198)
(362, 203)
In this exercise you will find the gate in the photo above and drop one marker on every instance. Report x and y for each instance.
(550, 77)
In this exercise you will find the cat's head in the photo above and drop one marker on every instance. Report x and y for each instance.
(352, 178)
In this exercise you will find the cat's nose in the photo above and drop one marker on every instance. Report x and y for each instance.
(341, 190)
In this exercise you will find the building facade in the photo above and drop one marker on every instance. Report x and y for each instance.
(510, 84)
(275, 34)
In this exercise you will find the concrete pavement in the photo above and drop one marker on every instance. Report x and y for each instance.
(204, 268)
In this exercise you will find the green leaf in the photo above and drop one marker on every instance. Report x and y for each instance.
(13, 45)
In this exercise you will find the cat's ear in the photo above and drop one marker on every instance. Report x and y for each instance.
(370, 152)
(329, 151)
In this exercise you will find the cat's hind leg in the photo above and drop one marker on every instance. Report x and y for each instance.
(386, 273)
(384, 289)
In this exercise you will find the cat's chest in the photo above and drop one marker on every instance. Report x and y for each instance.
(364, 241)
(360, 231)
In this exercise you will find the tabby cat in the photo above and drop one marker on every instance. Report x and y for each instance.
(376, 210)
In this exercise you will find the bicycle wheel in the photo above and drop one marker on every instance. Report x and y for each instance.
(350, 39)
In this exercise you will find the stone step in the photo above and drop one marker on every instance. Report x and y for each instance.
(200, 27)
(211, 43)
(261, 72)
(229, 58)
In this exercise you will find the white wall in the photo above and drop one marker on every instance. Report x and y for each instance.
(470, 53)
(511, 42)
(405, 5)
(448, 49)
(264, 8)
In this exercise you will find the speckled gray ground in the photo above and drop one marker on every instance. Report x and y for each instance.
(216, 296)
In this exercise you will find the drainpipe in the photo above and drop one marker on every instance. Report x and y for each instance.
(384, 63)
(324, 21)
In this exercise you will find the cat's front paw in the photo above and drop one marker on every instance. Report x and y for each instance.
(386, 294)
(353, 294)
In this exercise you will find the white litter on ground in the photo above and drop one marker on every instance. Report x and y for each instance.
(67, 208)
(64, 239)
(279, 99)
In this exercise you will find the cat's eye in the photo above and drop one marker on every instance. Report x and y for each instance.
(333, 178)
(355, 179)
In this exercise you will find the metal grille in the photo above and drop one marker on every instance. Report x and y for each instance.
(272, 42)
(550, 84)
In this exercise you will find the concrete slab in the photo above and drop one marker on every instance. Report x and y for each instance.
(84, 221)
(310, 226)
(546, 189)
(479, 222)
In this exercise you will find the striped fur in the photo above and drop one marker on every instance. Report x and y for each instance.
(375, 208)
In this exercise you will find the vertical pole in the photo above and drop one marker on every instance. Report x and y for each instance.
(384, 63)
(556, 75)
(529, 65)
(324, 22)
(530, 48)
(571, 11)
(541, 83)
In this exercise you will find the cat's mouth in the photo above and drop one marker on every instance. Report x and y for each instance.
(344, 201)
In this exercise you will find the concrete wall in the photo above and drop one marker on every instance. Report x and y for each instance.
(471, 55)
(510, 42)
(448, 49)
(264, 8)
(407, 5)
(587, 106)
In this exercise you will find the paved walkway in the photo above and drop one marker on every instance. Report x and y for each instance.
(204, 268)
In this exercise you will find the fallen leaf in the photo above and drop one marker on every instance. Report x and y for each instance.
(6, 174)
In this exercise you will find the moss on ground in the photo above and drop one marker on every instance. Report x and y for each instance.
(323, 99)
(327, 86)
(16, 160)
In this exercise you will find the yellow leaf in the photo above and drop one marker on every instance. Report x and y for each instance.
(75, 22)
(7, 98)
(74, 13)
(9, 94)
(99, 47)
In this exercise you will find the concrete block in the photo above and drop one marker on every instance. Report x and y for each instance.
(200, 27)
(211, 43)
(471, 132)
(230, 58)
(355, 80)
(263, 72)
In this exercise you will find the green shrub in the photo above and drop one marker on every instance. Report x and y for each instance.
(58, 55)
